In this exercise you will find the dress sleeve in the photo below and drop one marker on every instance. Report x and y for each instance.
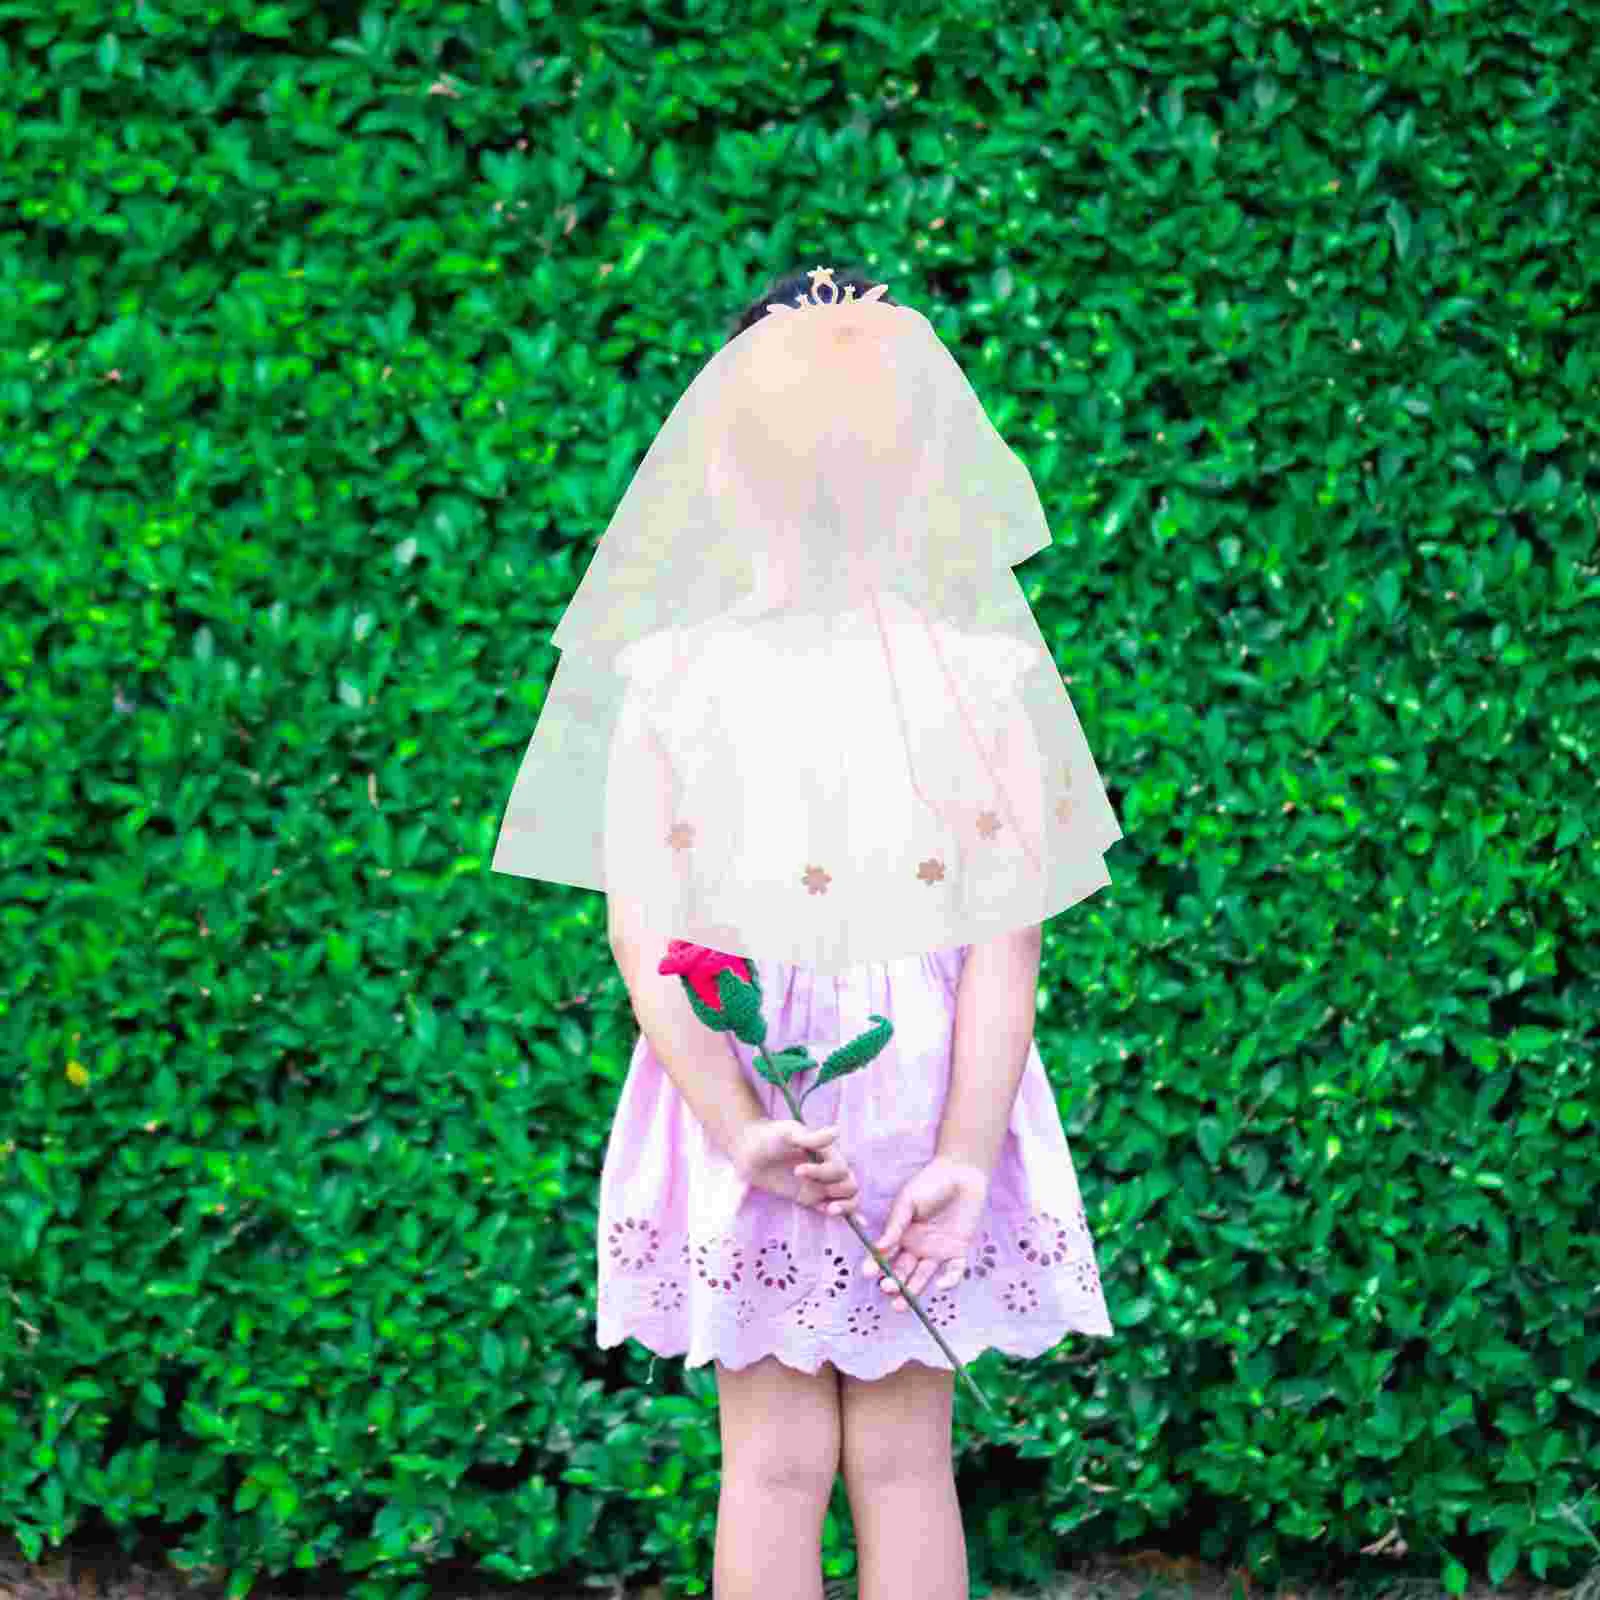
(644, 864)
(1018, 765)
(992, 669)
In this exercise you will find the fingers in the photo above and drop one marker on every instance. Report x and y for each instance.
(906, 1269)
(836, 1170)
(901, 1265)
(886, 1242)
(916, 1272)
(836, 1185)
(832, 1169)
(829, 1171)
(923, 1277)
(919, 1281)
(811, 1138)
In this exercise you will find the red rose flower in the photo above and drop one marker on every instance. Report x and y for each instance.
(700, 967)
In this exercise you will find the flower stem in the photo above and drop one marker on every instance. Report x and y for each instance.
(911, 1301)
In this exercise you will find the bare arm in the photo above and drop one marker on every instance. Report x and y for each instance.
(999, 987)
(700, 1062)
(995, 1006)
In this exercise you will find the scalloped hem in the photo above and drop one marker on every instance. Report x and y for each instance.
(856, 1364)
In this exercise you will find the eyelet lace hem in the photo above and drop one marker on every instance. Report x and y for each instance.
(718, 1298)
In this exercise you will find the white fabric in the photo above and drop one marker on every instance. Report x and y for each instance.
(803, 712)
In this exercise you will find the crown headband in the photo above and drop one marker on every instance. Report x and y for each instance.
(822, 277)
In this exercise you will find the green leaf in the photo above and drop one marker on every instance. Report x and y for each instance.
(852, 1057)
(741, 1004)
(1503, 1558)
(665, 170)
(271, 22)
(707, 1014)
(782, 1065)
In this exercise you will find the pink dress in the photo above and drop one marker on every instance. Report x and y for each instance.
(693, 1262)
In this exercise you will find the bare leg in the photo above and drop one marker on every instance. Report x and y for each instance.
(769, 1542)
(780, 1457)
(900, 1476)
(910, 1544)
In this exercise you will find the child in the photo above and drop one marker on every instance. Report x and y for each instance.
(723, 1231)
(965, 1182)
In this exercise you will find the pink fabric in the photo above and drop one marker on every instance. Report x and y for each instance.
(694, 1263)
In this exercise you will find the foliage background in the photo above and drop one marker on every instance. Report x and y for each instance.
(333, 334)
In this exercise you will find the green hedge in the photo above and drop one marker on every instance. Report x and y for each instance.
(332, 337)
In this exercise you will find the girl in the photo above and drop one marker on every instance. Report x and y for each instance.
(723, 1235)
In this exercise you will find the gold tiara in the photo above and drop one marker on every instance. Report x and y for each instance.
(822, 278)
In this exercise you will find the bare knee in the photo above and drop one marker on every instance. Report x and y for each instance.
(780, 1427)
(896, 1427)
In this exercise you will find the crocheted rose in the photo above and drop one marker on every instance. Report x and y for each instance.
(699, 967)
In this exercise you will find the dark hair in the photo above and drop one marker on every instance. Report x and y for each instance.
(798, 283)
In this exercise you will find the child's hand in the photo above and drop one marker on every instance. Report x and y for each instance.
(932, 1223)
(798, 1163)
